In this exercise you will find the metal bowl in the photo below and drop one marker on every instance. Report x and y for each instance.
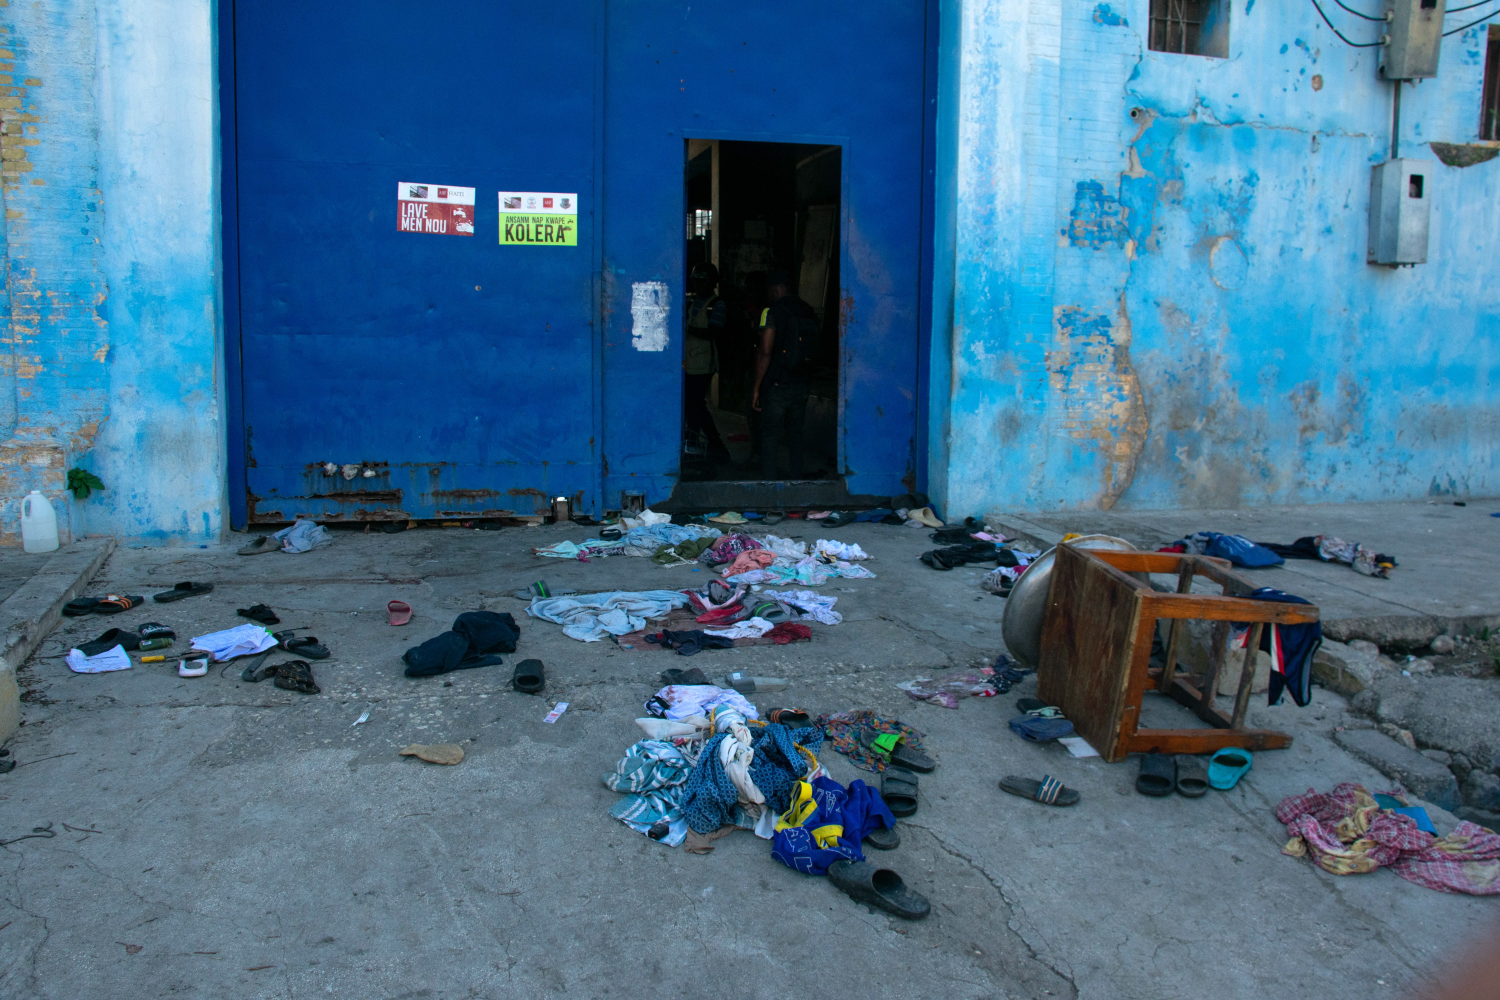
(1021, 625)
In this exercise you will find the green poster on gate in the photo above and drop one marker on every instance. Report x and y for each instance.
(538, 218)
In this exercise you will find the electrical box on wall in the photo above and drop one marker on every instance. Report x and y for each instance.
(1399, 212)
(1414, 39)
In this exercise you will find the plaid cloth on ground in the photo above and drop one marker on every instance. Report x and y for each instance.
(1347, 833)
(843, 729)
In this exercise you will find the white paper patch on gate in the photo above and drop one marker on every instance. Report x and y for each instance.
(650, 302)
(539, 218)
(441, 209)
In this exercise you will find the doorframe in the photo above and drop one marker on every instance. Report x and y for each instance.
(237, 444)
(797, 139)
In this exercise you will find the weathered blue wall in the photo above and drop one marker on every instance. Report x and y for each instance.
(110, 180)
(1159, 289)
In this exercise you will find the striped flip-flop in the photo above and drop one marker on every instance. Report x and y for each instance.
(1048, 791)
(113, 604)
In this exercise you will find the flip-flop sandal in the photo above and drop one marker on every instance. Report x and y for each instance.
(877, 886)
(882, 839)
(1046, 712)
(399, 612)
(256, 671)
(1027, 705)
(258, 545)
(1048, 791)
(539, 590)
(839, 518)
(393, 527)
(1192, 777)
(692, 677)
(900, 755)
(192, 668)
(788, 716)
(530, 677)
(79, 606)
(259, 613)
(899, 790)
(109, 640)
(307, 645)
(1029, 727)
(113, 604)
(156, 630)
(774, 517)
(1227, 766)
(1158, 775)
(296, 675)
(185, 589)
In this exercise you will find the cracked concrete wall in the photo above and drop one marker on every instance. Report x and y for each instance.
(111, 356)
(1159, 295)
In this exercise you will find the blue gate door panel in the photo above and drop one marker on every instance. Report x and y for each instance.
(846, 72)
(461, 372)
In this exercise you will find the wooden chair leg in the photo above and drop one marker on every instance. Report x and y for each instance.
(1174, 636)
(1247, 678)
(1216, 653)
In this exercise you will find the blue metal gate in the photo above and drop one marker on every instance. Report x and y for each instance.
(378, 373)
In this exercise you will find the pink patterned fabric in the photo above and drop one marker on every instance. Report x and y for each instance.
(725, 549)
(746, 561)
(1347, 833)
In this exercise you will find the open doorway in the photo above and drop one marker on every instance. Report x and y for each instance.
(756, 210)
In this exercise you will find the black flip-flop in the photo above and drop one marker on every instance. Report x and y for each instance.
(899, 790)
(1025, 705)
(113, 604)
(109, 640)
(307, 645)
(187, 588)
(259, 613)
(530, 677)
(79, 606)
(902, 756)
(882, 839)
(877, 886)
(788, 716)
(839, 518)
(1158, 775)
(255, 672)
(156, 630)
(296, 675)
(393, 527)
(1192, 777)
(1048, 791)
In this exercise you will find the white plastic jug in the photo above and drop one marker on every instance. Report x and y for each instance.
(38, 523)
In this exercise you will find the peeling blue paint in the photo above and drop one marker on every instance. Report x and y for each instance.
(1096, 217)
(1104, 15)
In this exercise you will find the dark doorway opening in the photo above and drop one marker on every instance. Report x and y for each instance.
(753, 209)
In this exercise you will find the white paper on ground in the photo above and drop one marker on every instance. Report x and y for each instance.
(103, 663)
(557, 711)
(237, 641)
(1078, 746)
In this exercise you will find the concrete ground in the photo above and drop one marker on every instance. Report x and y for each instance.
(228, 839)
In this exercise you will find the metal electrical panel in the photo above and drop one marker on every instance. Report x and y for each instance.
(1415, 39)
(1398, 212)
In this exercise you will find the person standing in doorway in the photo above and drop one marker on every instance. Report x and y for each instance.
(706, 316)
(788, 341)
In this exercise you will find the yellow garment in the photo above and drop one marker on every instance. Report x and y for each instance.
(802, 807)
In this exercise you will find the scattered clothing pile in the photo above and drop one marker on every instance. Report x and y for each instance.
(708, 766)
(1347, 832)
(662, 541)
(781, 561)
(1329, 549)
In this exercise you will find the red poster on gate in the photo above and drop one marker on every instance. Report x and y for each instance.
(434, 208)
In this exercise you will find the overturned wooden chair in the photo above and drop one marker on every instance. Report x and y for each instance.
(1096, 649)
